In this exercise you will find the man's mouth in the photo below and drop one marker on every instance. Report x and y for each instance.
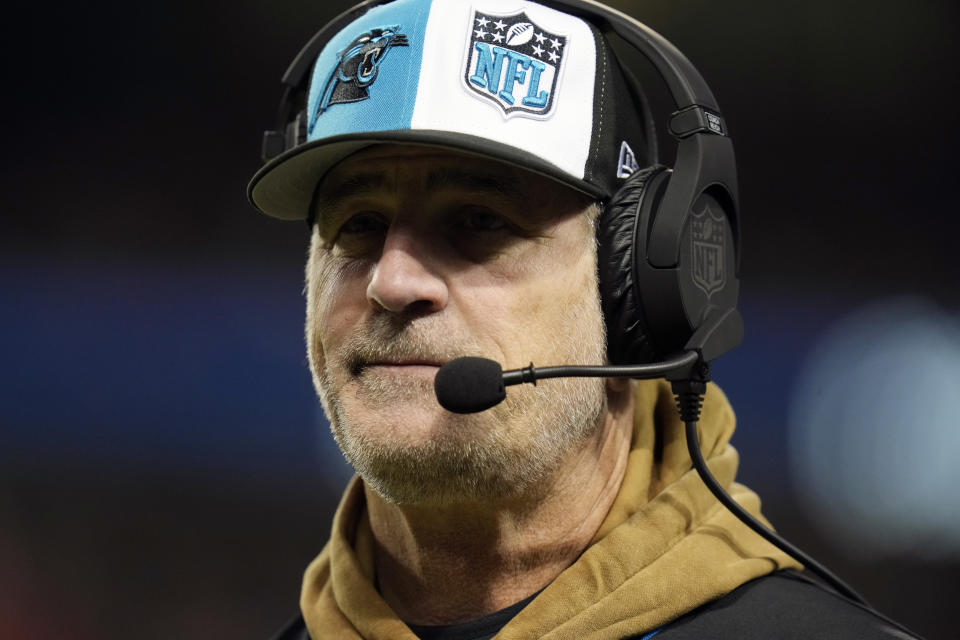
(416, 366)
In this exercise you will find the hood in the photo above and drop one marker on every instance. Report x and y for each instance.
(666, 546)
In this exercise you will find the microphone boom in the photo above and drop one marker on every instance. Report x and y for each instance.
(637, 371)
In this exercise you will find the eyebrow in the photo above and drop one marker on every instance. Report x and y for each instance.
(474, 181)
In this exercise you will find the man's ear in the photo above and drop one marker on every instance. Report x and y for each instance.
(619, 385)
(620, 395)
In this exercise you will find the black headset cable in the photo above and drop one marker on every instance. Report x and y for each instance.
(689, 396)
(689, 402)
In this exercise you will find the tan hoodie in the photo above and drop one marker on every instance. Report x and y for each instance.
(666, 546)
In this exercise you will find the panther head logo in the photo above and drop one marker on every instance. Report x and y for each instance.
(358, 66)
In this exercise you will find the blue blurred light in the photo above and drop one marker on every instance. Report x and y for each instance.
(158, 366)
(873, 430)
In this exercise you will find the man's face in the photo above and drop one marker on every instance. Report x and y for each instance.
(419, 256)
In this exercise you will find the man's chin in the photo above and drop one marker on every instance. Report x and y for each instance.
(431, 473)
(414, 452)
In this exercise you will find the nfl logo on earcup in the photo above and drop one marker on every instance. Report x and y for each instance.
(708, 244)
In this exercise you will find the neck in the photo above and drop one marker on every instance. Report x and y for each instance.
(462, 561)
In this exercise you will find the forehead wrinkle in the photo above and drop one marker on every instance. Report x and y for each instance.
(334, 190)
(330, 195)
(475, 181)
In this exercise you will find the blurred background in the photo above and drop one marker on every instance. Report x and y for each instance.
(165, 469)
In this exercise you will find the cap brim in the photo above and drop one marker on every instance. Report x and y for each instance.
(284, 187)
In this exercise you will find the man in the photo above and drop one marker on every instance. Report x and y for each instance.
(456, 162)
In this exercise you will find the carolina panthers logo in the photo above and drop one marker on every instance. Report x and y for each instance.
(358, 65)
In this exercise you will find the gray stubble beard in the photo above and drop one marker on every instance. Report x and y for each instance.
(514, 450)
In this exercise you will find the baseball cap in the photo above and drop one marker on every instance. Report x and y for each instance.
(511, 80)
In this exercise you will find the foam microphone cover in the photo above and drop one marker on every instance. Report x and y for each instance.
(469, 385)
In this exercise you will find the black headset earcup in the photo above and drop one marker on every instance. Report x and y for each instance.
(653, 312)
(628, 337)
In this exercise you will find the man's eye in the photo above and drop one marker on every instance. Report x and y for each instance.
(482, 220)
(363, 223)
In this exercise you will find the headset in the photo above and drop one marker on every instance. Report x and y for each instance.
(668, 239)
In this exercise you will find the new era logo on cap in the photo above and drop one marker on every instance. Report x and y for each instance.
(514, 63)
(627, 162)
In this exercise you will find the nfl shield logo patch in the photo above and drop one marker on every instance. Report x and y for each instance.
(708, 248)
(514, 63)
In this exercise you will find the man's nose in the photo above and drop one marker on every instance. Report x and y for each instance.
(406, 277)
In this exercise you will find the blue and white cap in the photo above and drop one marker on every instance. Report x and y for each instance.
(512, 80)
